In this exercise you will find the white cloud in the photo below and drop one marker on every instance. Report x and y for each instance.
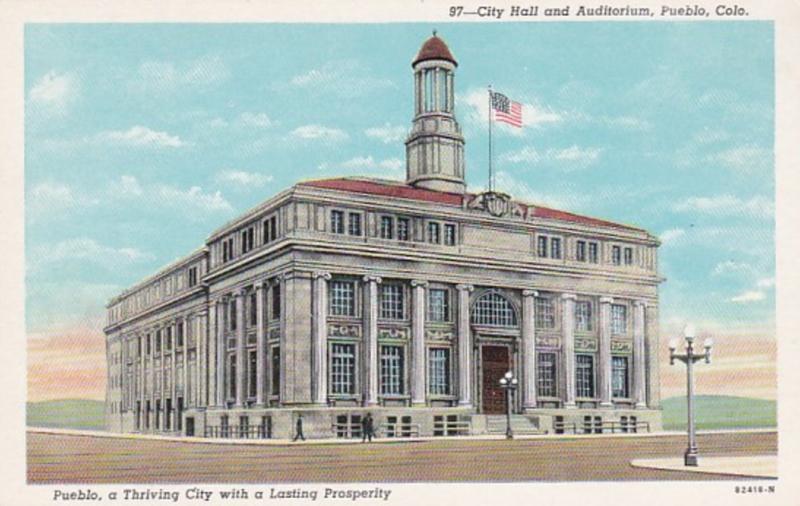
(728, 205)
(53, 199)
(319, 132)
(260, 119)
(126, 186)
(573, 157)
(89, 250)
(749, 296)
(387, 133)
(346, 78)
(671, 235)
(731, 267)
(521, 190)
(141, 136)
(766, 283)
(53, 93)
(744, 158)
(193, 199)
(243, 178)
(164, 76)
(392, 168)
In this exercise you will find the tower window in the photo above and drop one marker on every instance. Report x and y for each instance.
(429, 90)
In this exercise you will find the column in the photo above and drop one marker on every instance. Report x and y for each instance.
(151, 413)
(639, 372)
(222, 309)
(605, 352)
(241, 373)
(652, 389)
(464, 347)
(418, 342)
(142, 378)
(260, 342)
(185, 357)
(173, 366)
(529, 349)
(319, 345)
(371, 339)
(211, 355)
(200, 359)
(162, 391)
(568, 347)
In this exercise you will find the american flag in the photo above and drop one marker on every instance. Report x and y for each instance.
(506, 110)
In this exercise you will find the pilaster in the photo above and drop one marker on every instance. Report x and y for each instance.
(464, 347)
(568, 335)
(418, 342)
(320, 338)
(605, 352)
(371, 339)
(529, 349)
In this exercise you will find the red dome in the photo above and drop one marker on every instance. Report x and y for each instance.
(434, 49)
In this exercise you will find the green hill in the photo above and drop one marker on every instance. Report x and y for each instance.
(66, 414)
(720, 412)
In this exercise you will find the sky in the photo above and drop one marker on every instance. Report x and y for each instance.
(142, 139)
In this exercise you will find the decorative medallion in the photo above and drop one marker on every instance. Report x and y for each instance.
(495, 203)
(621, 346)
(393, 333)
(275, 333)
(547, 341)
(584, 344)
(344, 330)
(439, 335)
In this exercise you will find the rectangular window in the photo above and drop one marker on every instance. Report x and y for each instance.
(392, 303)
(225, 253)
(179, 337)
(593, 252)
(247, 239)
(580, 251)
(391, 370)
(139, 346)
(628, 256)
(273, 228)
(192, 276)
(387, 227)
(616, 255)
(232, 314)
(343, 366)
(168, 338)
(337, 222)
(265, 231)
(434, 234)
(449, 234)
(439, 305)
(252, 306)
(583, 316)
(148, 341)
(158, 341)
(619, 319)
(555, 248)
(276, 301)
(545, 313)
(619, 377)
(343, 298)
(354, 224)
(403, 229)
(546, 375)
(584, 375)
(439, 371)
(252, 371)
(541, 246)
(232, 376)
(276, 370)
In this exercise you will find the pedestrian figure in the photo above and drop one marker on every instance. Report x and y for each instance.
(367, 428)
(299, 429)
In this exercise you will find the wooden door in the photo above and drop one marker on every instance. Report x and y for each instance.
(495, 363)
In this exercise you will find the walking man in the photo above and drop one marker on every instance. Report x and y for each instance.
(367, 428)
(299, 429)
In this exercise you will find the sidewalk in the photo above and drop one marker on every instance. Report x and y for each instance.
(381, 440)
(758, 466)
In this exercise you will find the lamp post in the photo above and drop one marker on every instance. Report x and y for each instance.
(509, 384)
(689, 358)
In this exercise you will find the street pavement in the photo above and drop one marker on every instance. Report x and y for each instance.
(67, 458)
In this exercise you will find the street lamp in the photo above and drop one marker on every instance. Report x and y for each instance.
(509, 384)
(689, 358)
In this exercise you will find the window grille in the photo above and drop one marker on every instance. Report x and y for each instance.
(449, 234)
(403, 229)
(342, 368)
(343, 298)
(387, 227)
(546, 375)
(439, 305)
(555, 248)
(584, 376)
(494, 310)
(541, 246)
(354, 224)
(593, 252)
(439, 371)
(337, 222)
(545, 313)
(583, 316)
(619, 319)
(434, 233)
(580, 251)
(391, 370)
(276, 370)
(252, 374)
(391, 302)
(619, 376)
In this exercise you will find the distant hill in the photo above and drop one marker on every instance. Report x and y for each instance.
(66, 414)
(720, 412)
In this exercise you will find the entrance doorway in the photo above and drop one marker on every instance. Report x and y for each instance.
(189, 426)
(495, 363)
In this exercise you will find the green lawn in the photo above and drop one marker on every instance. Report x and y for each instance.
(720, 412)
(66, 414)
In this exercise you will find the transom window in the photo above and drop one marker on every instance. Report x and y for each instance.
(584, 375)
(545, 313)
(439, 371)
(494, 310)
(343, 298)
(546, 375)
(391, 370)
(439, 305)
(343, 366)
(583, 316)
(392, 303)
(619, 377)
(619, 319)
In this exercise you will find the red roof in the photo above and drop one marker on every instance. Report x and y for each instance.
(434, 49)
(404, 191)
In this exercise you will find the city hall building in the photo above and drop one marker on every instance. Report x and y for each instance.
(408, 300)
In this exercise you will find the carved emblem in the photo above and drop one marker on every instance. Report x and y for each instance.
(585, 344)
(393, 333)
(440, 335)
(495, 203)
(621, 346)
(275, 333)
(547, 341)
(343, 330)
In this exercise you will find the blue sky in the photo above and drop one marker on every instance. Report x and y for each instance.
(142, 139)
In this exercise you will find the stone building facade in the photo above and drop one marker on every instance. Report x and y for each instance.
(409, 300)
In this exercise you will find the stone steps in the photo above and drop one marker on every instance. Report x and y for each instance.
(496, 424)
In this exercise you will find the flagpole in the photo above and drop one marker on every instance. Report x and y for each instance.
(491, 175)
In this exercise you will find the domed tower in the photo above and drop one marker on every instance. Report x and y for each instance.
(435, 146)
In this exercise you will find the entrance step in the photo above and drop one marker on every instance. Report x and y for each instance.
(520, 424)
